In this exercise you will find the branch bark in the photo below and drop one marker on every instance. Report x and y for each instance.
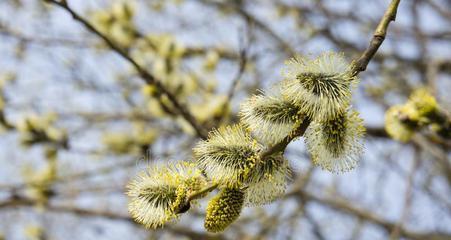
(378, 38)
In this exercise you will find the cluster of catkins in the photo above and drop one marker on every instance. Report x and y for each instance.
(317, 90)
(421, 111)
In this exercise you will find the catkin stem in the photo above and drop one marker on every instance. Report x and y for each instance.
(198, 194)
(378, 37)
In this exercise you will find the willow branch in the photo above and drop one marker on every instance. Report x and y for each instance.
(282, 145)
(378, 38)
(10, 33)
(89, 213)
(196, 195)
(362, 62)
(359, 66)
(144, 74)
(4, 122)
(342, 205)
(240, 11)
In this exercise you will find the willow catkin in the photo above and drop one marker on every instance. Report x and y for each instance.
(270, 117)
(228, 154)
(320, 86)
(156, 195)
(336, 144)
(224, 209)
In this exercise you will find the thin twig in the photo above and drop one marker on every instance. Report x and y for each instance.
(378, 38)
(145, 75)
(280, 146)
(408, 196)
(282, 44)
(237, 78)
(201, 192)
(342, 205)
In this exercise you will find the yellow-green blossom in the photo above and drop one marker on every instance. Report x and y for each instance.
(397, 128)
(157, 194)
(320, 86)
(336, 145)
(224, 209)
(270, 117)
(268, 181)
(420, 106)
(228, 155)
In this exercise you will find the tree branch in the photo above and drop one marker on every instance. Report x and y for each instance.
(145, 75)
(378, 38)
(343, 206)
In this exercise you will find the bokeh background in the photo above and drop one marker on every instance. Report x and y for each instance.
(78, 121)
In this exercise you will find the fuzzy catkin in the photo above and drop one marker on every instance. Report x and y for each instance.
(320, 86)
(224, 209)
(270, 117)
(228, 155)
(231, 157)
(268, 181)
(424, 103)
(336, 145)
(157, 193)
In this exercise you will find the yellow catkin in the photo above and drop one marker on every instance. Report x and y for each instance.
(157, 194)
(269, 116)
(422, 104)
(227, 155)
(336, 145)
(224, 209)
(396, 128)
(321, 86)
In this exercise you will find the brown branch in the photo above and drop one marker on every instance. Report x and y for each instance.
(343, 206)
(145, 75)
(378, 38)
(84, 212)
(4, 122)
(280, 146)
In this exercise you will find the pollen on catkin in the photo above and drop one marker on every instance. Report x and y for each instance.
(268, 181)
(270, 117)
(157, 193)
(422, 104)
(320, 86)
(336, 145)
(399, 129)
(224, 209)
(228, 155)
